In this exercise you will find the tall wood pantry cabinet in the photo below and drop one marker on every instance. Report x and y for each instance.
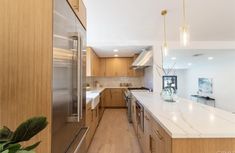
(26, 47)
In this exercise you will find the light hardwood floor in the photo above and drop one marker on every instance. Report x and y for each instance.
(114, 134)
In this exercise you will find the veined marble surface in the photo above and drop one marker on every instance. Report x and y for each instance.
(188, 119)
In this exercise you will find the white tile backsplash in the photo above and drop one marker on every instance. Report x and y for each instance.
(115, 81)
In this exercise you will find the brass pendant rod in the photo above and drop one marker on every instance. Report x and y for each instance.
(184, 12)
(164, 12)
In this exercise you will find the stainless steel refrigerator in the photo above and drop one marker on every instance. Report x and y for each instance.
(69, 84)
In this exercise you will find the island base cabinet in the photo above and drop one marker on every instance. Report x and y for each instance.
(203, 145)
(160, 141)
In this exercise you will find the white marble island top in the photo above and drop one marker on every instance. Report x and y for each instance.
(187, 119)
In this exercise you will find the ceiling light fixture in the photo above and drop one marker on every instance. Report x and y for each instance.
(189, 64)
(210, 58)
(184, 29)
(115, 50)
(173, 58)
(115, 55)
(165, 46)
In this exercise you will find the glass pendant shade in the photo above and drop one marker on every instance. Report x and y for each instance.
(165, 49)
(184, 35)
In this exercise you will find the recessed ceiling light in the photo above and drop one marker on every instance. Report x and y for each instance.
(115, 50)
(173, 58)
(210, 58)
(115, 55)
(189, 64)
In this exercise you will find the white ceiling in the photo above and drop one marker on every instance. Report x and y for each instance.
(179, 59)
(123, 51)
(122, 22)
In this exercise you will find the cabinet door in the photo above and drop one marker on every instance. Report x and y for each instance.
(92, 63)
(110, 67)
(80, 10)
(117, 96)
(89, 124)
(147, 133)
(95, 116)
(130, 71)
(157, 144)
(95, 64)
(120, 67)
(139, 73)
(107, 99)
(102, 67)
(160, 140)
(116, 67)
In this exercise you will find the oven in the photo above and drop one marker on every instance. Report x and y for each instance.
(140, 115)
(128, 98)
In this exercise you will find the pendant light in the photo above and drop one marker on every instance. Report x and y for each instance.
(165, 46)
(184, 29)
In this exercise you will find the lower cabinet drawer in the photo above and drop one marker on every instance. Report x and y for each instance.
(160, 140)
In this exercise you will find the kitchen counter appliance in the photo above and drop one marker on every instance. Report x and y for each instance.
(128, 97)
(69, 84)
(140, 115)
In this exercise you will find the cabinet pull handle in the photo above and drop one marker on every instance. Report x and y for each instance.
(146, 117)
(111, 94)
(150, 144)
(158, 134)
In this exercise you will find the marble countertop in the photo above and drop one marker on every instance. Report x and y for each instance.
(92, 93)
(188, 119)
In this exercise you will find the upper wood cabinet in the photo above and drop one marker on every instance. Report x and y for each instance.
(93, 63)
(121, 67)
(80, 10)
(102, 66)
(110, 67)
(116, 67)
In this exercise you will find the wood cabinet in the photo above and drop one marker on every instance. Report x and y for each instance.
(101, 105)
(154, 139)
(92, 120)
(114, 97)
(26, 65)
(92, 63)
(89, 119)
(146, 146)
(26, 59)
(80, 10)
(102, 67)
(116, 67)
(160, 140)
(110, 67)
(121, 67)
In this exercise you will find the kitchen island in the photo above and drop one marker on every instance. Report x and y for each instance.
(185, 126)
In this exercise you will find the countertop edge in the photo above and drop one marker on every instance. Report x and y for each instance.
(184, 136)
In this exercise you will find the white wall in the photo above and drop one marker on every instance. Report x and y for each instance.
(157, 61)
(223, 75)
(148, 77)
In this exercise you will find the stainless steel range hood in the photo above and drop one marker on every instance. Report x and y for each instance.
(145, 59)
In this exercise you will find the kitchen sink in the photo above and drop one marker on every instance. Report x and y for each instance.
(95, 96)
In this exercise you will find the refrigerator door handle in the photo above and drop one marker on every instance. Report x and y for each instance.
(77, 51)
(80, 109)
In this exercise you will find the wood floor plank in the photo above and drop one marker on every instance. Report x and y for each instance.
(114, 134)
